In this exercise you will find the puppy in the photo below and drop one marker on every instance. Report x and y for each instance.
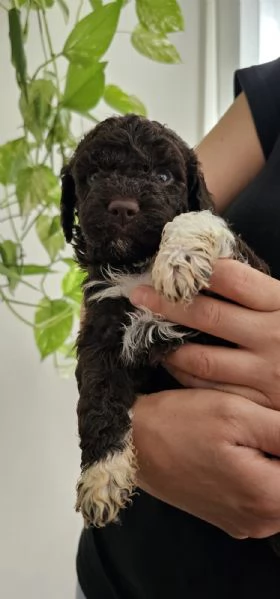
(136, 209)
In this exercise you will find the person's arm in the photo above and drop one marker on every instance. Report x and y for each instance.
(231, 155)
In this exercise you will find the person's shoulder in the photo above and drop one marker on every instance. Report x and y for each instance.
(261, 85)
(267, 73)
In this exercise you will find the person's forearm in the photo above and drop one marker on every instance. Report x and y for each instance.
(231, 154)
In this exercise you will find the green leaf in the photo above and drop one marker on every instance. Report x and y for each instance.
(50, 234)
(13, 269)
(35, 4)
(59, 130)
(8, 250)
(64, 9)
(13, 277)
(154, 45)
(92, 36)
(17, 48)
(84, 86)
(68, 261)
(36, 185)
(68, 350)
(37, 111)
(53, 324)
(160, 16)
(10, 254)
(34, 269)
(72, 284)
(14, 274)
(25, 31)
(122, 102)
(95, 4)
(43, 3)
(13, 157)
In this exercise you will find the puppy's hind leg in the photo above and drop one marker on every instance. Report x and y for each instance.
(108, 464)
(106, 486)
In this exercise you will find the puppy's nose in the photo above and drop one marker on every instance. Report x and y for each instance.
(123, 210)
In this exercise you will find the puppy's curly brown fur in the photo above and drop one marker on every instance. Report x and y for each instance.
(124, 162)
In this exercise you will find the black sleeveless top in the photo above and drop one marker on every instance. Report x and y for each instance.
(160, 552)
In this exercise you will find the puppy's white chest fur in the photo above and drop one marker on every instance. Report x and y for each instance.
(144, 327)
(119, 284)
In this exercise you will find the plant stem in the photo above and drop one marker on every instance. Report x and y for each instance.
(37, 155)
(11, 219)
(90, 117)
(53, 55)
(12, 301)
(55, 360)
(42, 35)
(42, 285)
(8, 195)
(79, 11)
(4, 205)
(42, 66)
(25, 27)
(44, 160)
(52, 159)
(51, 50)
(31, 224)
(14, 312)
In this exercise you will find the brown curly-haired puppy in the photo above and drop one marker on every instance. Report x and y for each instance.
(136, 208)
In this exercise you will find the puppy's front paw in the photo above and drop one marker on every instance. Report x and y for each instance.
(191, 244)
(106, 487)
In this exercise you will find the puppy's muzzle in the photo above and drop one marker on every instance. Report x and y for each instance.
(123, 210)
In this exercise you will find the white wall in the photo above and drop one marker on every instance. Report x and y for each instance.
(39, 457)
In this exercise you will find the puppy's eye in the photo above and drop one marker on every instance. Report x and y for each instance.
(92, 177)
(164, 176)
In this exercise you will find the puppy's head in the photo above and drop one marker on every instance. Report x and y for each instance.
(128, 178)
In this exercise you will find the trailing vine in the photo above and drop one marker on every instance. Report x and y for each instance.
(30, 164)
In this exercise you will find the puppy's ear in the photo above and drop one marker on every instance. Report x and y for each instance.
(199, 197)
(68, 202)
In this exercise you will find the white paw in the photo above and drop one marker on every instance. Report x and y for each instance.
(107, 486)
(191, 244)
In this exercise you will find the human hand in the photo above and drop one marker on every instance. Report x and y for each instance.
(251, 370)
(203, 452)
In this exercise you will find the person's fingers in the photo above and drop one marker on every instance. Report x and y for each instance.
(193, 382)
(220, 364)
(261, 476)
(246, 286)
(262, 426)
(221, 319)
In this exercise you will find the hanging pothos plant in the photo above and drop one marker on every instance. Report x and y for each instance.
(30, 189)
